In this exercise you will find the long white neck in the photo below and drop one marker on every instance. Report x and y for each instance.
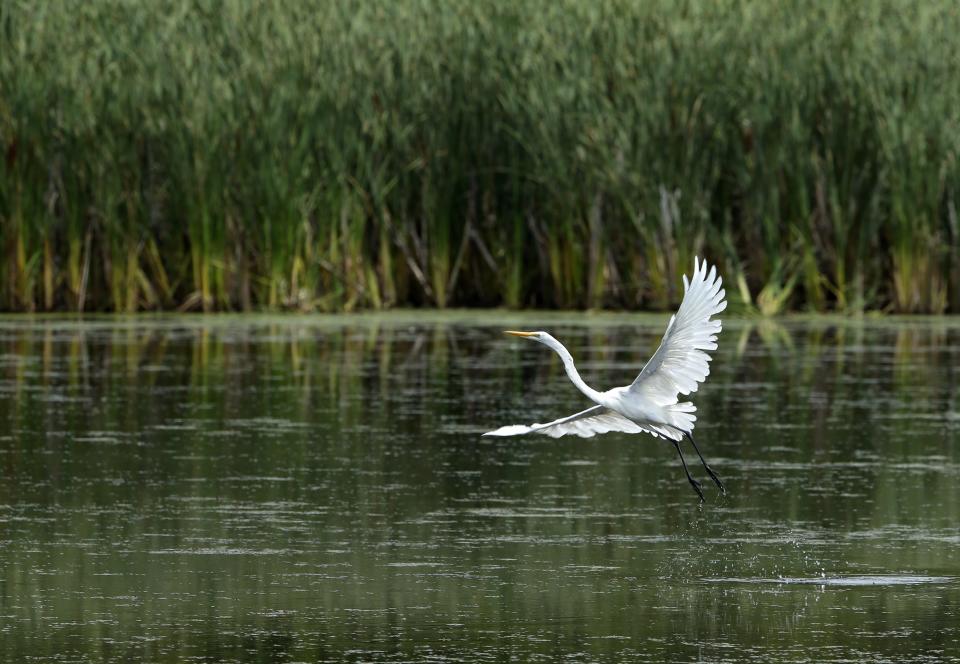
(572, 372)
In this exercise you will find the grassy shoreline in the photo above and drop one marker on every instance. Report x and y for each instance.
(333, 156)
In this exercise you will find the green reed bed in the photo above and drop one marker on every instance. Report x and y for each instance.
(336, 155)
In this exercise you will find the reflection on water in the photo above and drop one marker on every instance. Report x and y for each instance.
(309, 489)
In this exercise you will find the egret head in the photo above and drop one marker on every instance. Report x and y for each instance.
(533, 336)
(546, 339)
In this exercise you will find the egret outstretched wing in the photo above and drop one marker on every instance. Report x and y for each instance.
(521, 429)
(585, 424)
(681, 363)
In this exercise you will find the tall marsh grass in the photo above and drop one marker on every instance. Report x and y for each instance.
(342, 154)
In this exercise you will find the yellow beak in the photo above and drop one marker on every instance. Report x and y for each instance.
(520, 334)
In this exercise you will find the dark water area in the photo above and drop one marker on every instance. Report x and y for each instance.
(301, 489)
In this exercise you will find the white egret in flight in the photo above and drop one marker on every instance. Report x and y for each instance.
(650, 404)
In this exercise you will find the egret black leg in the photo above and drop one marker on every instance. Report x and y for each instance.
(694, 483)
(709, 470)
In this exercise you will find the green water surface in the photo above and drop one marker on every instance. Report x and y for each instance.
(301, 489)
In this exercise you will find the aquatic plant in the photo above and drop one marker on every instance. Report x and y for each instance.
(340, 155)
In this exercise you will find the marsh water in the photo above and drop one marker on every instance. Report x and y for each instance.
(260, 489)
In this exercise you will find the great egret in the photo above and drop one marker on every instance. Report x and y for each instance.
(650, 404)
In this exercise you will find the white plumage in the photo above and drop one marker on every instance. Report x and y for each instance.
(585, 424)
(681, 363)
(651, 403)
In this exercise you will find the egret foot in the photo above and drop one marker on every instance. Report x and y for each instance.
(713, 475)
(698, 487)
(716, 480)
(694, 483)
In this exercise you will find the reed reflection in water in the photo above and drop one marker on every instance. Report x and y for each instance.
(311, 488)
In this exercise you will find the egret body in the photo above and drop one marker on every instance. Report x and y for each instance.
(650, 404)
